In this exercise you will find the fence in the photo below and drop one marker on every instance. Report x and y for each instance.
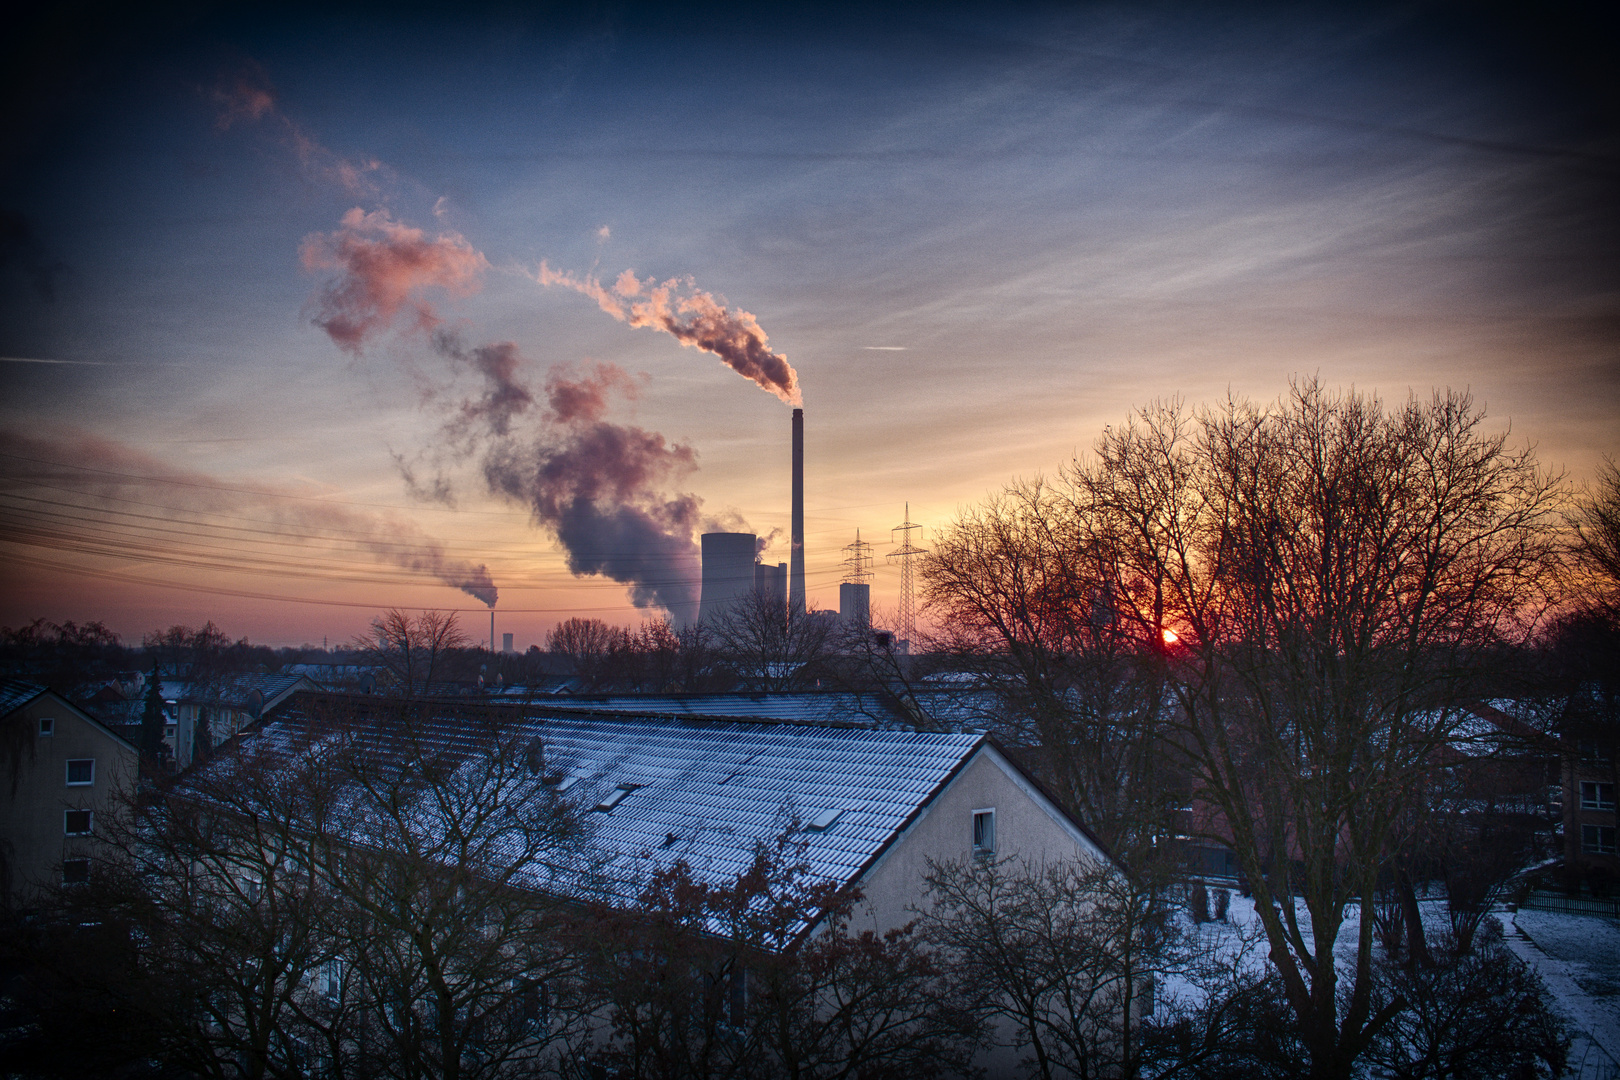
(1550, 900)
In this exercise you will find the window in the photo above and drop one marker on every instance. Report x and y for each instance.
(1597, 839)
(330, 984)
(76, 823)
(1596, 796)
(47, 726)
(81, 772)
(737, 996)
(984, 832)
(531, 1006)
(77, 871)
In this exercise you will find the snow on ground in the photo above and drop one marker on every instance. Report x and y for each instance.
(1577, 956)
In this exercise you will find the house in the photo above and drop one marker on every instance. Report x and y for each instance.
(226, 704)
(62, 773)
(874, 805)
(864, 807)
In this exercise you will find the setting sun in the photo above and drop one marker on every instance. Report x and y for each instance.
(1169, 636)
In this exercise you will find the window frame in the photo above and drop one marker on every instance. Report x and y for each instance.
(1592, 840)
(89, 822)
(1597, 801)
(984, 822)
(81, 783)
(47, 727)
(76, 880)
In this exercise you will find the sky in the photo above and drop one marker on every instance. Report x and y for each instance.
(308, 313)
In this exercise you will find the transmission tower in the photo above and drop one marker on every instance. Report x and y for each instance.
(858, 562)
(908, 599)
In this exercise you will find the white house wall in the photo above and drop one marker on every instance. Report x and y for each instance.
(1027, 825)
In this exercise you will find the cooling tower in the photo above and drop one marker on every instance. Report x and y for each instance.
(728, 571)
(796, 578)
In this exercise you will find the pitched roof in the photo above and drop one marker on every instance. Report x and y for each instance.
(717, 787)
(15, 693)
(236, 690)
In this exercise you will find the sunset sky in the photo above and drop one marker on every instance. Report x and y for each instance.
(306, 316)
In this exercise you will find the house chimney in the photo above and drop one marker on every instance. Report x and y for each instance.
(796, 574)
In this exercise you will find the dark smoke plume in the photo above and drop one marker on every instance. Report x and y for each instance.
(110, 473)
(603, 489)
(505, 396)
(694, 318)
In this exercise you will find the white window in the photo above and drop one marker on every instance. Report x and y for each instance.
(1596, 796)
(77, 871)
(1597, 839)
(76, 823)
(47, 726)
(330, 983)
(984, 831)
(81, 772)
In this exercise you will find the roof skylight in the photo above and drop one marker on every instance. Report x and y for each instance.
(615, 797)
(822, 820)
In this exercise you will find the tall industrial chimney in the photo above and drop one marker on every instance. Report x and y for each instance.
(796, 574)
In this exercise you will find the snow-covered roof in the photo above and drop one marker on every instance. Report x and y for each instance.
(952, 709)
(718, 788)
(15, 693)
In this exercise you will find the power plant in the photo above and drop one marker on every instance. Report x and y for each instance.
(730, 571)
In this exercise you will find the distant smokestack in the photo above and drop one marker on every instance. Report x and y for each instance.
(796, 574)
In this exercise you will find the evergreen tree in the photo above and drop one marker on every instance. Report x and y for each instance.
(152, 718)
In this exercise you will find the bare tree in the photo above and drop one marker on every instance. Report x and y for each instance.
(763, 977)
(358, 890)
(1027, 596)
(1064, 953)
(1596, 521)
(410, 650)
(1333, 573)
(771, 646)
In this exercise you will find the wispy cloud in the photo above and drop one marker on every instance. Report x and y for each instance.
(383, 269)
(206, 522)
(246, 97)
